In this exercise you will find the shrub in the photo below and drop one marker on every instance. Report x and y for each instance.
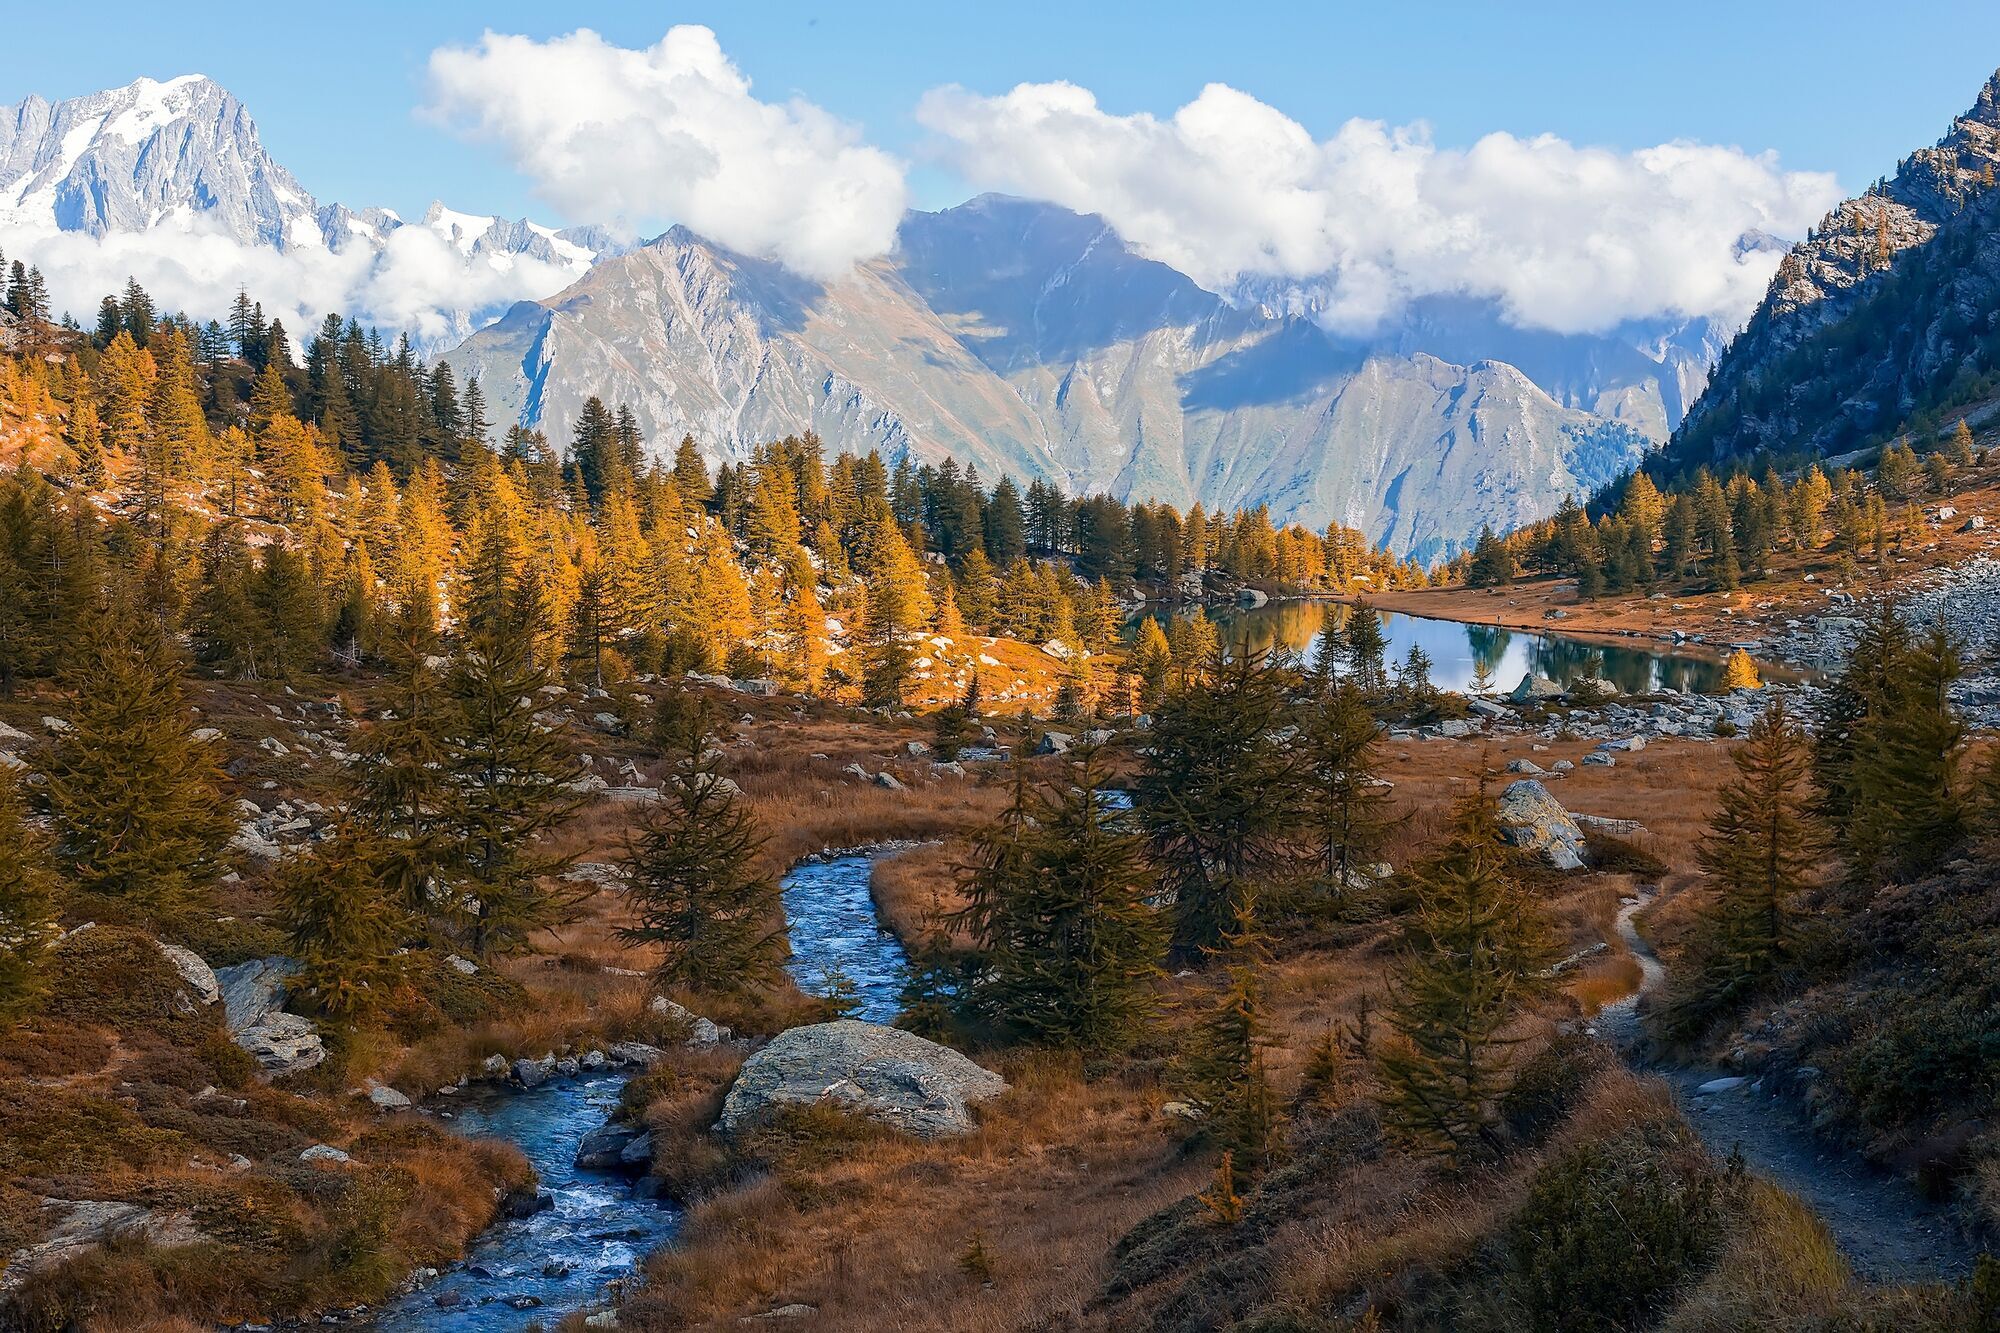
(1551, 1084)
(54, 1131)
(47, 1049)
(118, 977)
(1614, 855)
(1613, 1226)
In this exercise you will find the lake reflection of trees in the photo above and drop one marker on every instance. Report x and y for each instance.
(1458, 650)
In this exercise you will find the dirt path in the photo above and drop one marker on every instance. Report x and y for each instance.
(1888, 1231)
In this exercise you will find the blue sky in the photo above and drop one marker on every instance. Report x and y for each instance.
(1832, 86)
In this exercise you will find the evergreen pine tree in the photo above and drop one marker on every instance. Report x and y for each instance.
(1478, 949)
(1346, 807)
(343, 922)
(1072, 942)
(1872, 673)
(510, 784)
(700, 895)
(137, 800)
(1366, 646)
(400, 789)
(954, 726)
(1761, 848)
(1222, 1069)
(1215, 796)
(1152, 661)
(1909, 812)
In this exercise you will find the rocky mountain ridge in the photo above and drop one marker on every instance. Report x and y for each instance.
(1028, 339)
(1872, 316)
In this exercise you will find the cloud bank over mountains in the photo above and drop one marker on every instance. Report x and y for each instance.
(1566, 238)
(1227, 189)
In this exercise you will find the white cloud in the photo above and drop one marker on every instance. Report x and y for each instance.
(1564, 237)
(672, 133)
(416, 281)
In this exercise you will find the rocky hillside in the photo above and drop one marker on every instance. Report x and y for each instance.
(1888, 309)
(1026, 338)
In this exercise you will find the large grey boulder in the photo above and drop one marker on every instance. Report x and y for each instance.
(1531, 818)
(603, 1149)
(884, 1073)
(1535, 689)
(251, 990)
(283, 1044)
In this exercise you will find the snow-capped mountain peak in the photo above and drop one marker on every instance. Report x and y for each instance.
(161, 159)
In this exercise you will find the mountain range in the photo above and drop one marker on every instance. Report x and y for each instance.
(1017, 336)
(1031, 340)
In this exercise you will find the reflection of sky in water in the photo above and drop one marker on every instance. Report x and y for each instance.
(1455, 648)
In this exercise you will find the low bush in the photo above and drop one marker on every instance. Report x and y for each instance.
(1550, 1084)
(117, 977)
(1612, 1227)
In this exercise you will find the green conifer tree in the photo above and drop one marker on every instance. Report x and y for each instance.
(1761, 849)
(400, 784)
(1478, 949)
(956, 725)
(1346, 806)
(344, 924)
(1216, 796)
(1909, 811)
(701, 896)
(28, 888)
(510, 783)
(1873, 672)
(1222, 1070)
(137, 801)
(1072, 942)
(1366, 646)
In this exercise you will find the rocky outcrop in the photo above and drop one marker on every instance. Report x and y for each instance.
(1880, 307)
(196, 973)
(77, 1226)
(883, 1073)
(253, 994)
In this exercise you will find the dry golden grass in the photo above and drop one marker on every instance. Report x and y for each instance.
(1059, 1169)
(916, 890)
(1604, 981)
(567, 1011)
(1780, 1269)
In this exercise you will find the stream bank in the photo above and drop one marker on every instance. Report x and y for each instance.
(600, 1225)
